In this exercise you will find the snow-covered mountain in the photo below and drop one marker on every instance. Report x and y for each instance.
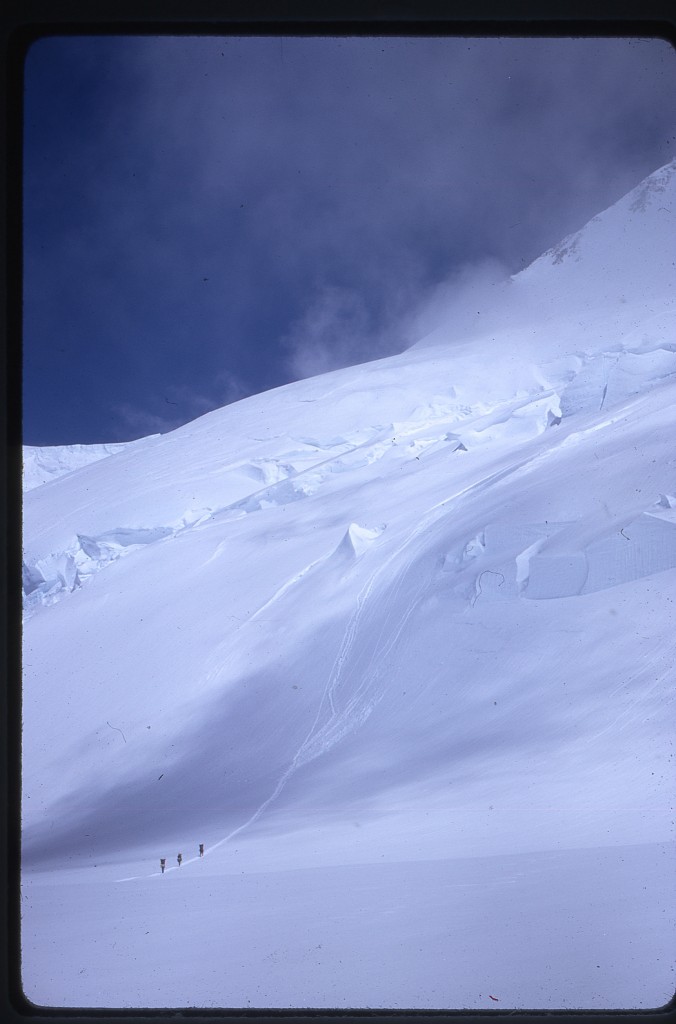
(394, 616)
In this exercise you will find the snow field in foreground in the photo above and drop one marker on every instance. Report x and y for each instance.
(566, 929)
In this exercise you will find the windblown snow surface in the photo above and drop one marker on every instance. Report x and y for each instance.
(396, 644)
(40, 465)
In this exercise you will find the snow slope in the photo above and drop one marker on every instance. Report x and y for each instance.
(40, 464)
(401, 614)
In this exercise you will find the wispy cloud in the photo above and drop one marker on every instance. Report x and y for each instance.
(336, 330)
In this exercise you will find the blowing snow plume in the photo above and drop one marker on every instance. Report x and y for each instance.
(339, 329)
(469, 303)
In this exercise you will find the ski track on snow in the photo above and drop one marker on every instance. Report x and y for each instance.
(361, 702)
(358, 707)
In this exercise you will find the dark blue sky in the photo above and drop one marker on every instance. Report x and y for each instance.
(206, 218)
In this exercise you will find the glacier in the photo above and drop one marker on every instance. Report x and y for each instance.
(396, 644)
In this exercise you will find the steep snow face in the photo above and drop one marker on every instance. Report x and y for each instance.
(608, 288)
(417, 609)
(621, 256)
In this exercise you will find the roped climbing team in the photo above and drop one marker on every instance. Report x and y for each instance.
(179, 859)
